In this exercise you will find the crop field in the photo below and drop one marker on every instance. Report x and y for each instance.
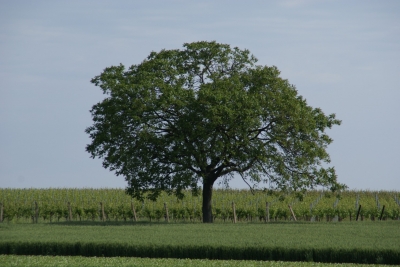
(55, 205)
(97, 223)
(63, 261)
(354, 242)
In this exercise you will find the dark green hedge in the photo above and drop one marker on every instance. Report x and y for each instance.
(332, 255)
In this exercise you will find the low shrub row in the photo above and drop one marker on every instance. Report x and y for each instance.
(329, 255)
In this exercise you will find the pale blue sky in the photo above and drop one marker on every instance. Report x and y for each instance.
(343, 56)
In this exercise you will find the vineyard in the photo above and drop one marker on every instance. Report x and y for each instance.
(54, 205)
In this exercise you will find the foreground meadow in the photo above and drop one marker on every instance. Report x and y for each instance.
(353, 227)
(342, 242)
(63, 261)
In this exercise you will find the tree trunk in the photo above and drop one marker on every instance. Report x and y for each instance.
(207, 195)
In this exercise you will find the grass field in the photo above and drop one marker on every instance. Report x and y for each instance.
(365, 235)
(62, 261)
(368, 242)
(100, 224)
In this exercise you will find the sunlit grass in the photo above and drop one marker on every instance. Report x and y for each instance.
(61, 261)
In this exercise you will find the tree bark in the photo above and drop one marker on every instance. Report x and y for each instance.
(207, 195)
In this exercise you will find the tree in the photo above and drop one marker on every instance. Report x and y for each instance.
(187, 117)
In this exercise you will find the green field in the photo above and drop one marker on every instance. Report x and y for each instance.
(62, 261)
(360, 235)
(101, 223)
(51, 205)
(359, 242)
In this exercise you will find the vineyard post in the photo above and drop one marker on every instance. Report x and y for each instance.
(166, 212)
(103, 216)
(291, 210)
(358, 212)
(234, 212)
(69, 212)
(133, 211)
(1, 212)
(267, 212)
(36, 212)
(383, 208)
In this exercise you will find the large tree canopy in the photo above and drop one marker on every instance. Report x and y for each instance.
(187, 117)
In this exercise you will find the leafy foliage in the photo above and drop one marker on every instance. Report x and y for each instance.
(184, 117)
